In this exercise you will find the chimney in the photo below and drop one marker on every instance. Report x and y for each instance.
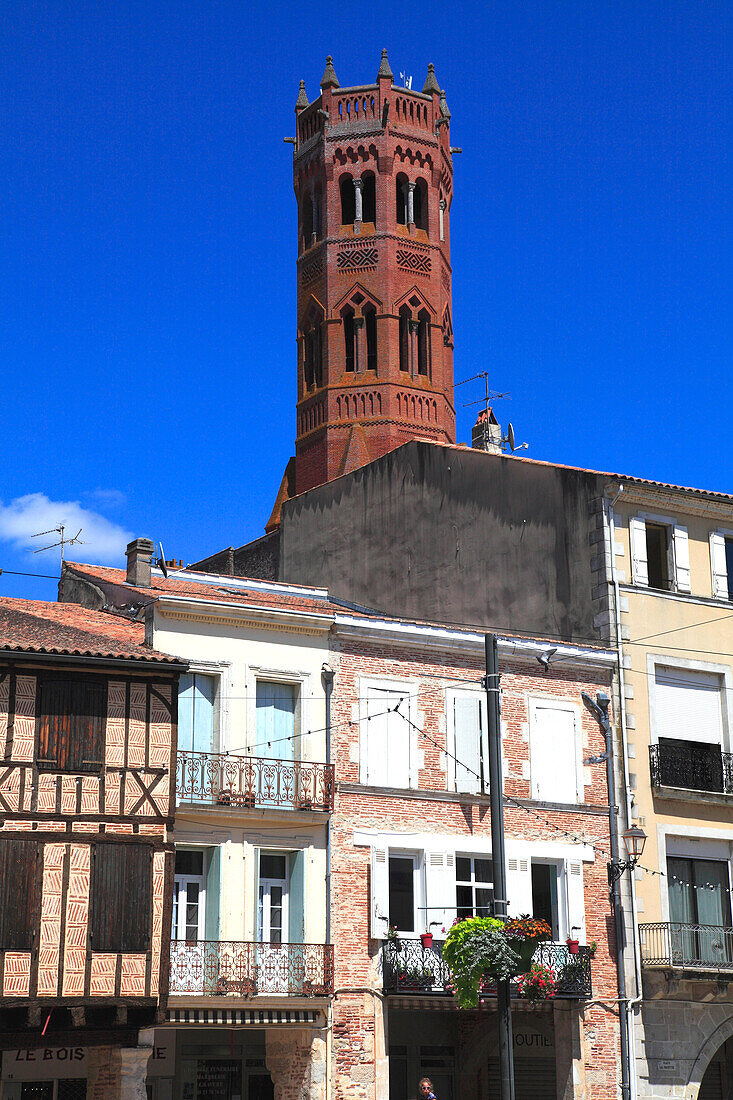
(139, 559)
(486, 433)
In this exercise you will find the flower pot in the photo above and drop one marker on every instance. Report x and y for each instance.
(426, 939)
(525, 950)
(573, 946)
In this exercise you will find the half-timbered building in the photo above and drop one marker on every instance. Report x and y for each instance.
(88, 717)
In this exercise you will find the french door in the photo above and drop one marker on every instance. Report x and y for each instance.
(699, 909)
(272, 923)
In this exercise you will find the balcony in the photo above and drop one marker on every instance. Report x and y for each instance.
(701, 947)
(251, 782)
(408, 967)
(691, 765)
(232, 968)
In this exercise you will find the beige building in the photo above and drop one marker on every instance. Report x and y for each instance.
(672, 571)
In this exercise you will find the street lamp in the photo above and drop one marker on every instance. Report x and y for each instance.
(634, 840)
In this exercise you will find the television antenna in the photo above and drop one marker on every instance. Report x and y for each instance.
(63, 541)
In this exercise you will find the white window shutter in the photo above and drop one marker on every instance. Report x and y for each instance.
(467, 742)
(554, 754)
(681, 559)
(440, 890)
(637, 536)
(718, 566)
(380, 893)
(575, 898)
(519, 887)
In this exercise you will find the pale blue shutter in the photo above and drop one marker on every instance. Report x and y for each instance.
(203, 713)
(213, 891)
(185, 713)
(275, 733)
(296, 898)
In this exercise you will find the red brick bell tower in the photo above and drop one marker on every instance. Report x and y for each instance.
(373, 177)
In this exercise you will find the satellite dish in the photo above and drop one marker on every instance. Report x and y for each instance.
(161, 561)
(510, 436)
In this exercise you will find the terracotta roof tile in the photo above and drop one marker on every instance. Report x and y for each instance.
(34, 626)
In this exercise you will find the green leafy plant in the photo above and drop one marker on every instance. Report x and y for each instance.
(475, 947)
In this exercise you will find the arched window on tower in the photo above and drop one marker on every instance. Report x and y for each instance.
(317, 213)
(420, 200)
(370, 323)
(349, 349)
(405, 338)
(348, 200)
(312, 350)
(423, 342)
(368, 198)
(401, 198)
(306, 219)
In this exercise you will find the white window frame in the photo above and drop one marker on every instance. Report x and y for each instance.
(696, 842)
(677, 537)
(201, 882)
(284, 882)
(472, 856)
(409, 691)
(553, 703)
(723, 533)
(450, 697)
(663, 660)
(418, 893)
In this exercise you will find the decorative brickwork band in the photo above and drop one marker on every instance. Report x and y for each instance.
(356, 259)
(413, 261)
(311, 270)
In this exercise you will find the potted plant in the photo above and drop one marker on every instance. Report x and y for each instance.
(573, 945)
(524, 933)
(426, 939)
(538, 984)
(393, 938)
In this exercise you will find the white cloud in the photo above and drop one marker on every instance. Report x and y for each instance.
(25, 516)
(107, 498)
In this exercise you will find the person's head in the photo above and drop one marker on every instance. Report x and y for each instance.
(425, 1086)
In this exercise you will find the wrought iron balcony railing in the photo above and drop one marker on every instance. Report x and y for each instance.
(408, 967)
(689, 946)
(693, 765)
(231, 968)
(216, 779)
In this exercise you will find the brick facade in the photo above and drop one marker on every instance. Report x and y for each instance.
(583, 1034)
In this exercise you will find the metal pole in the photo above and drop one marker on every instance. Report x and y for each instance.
(504, 1007)
(605, 724)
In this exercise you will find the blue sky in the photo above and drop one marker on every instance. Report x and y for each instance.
(147, 320)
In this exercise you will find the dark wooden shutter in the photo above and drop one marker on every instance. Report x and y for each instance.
(122, 891)
(71, 717)
(19, 893)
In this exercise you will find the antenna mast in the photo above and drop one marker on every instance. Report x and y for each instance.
(62, 540)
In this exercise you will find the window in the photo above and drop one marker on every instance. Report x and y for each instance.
(348, 200)
(405, 338)
(554, 756)
(189, 891)
(197, 713)
(474, 886)
(307, 220)
(312, 350)
(278, 720)
(420, 208)
(699, 898)
(349, 359)
(121, 897)
(370, 322)
(545, 899)
(368, 198)
(401, 199)
(272, 913)
(467, 744)
(19, 893)
(721, 562)
(387, 742)
(72, 716)
(660, 555)
(403, 893)
(423, 342)
(688, 720)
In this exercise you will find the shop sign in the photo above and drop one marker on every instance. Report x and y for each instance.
(62, 1063)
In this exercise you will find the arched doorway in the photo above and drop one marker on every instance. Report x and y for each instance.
(717, 1082)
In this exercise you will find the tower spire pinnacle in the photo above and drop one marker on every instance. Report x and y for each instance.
(302, 101)
(431, 84)
(384, 69)
(329, 78)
